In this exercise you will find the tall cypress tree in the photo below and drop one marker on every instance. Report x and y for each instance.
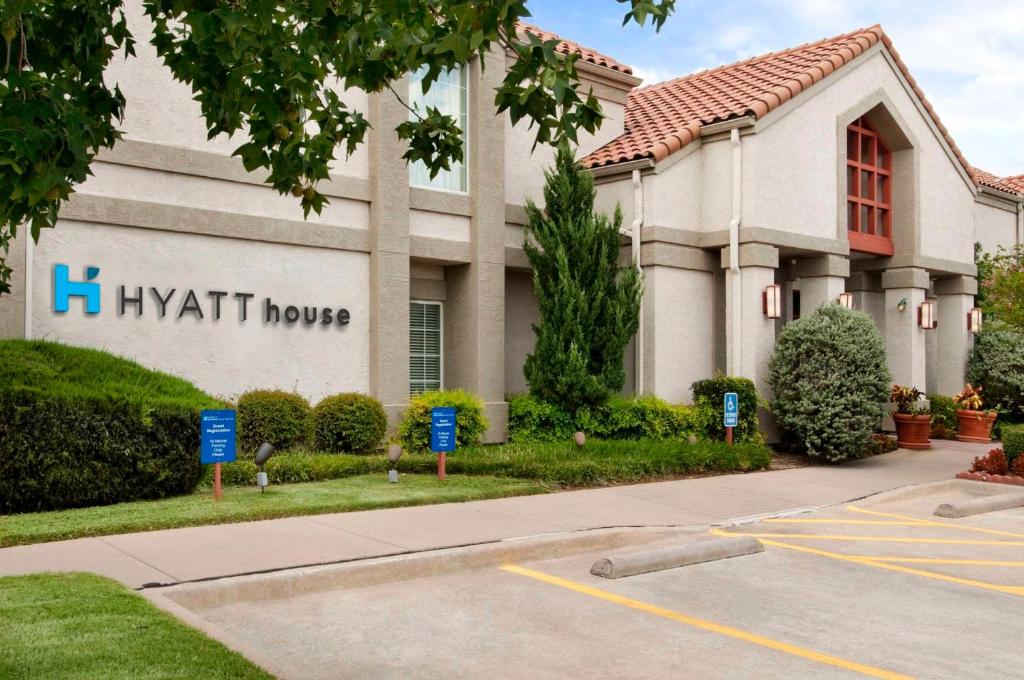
(589, 305)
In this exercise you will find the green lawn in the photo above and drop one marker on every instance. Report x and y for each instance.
(90, 628)
(241, 504)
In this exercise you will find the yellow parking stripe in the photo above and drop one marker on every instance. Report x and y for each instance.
(706, 625)
(1012, 590)
(940, 560)
(880, 539)
(936, 523)
(872, 522)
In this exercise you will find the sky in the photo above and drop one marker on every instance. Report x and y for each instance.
(968, 57)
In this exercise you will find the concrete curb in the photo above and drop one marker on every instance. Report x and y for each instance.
(619, 566)
(977, 506)
(374, 571)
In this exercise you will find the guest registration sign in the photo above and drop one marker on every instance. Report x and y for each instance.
(217, 441)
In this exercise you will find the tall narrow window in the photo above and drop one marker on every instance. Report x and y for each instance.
(447, 94)
(426, 343)
(868, 190)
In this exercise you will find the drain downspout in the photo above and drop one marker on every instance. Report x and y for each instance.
(1020, 221)
(638, 221)
(734, 253)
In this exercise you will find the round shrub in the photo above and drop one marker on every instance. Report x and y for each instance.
(470, 421)
(831, 382)
(997, 364)
(349, 423)
(275, 416)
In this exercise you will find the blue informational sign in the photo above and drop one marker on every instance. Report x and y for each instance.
(217, 436)
(732, 409)
(442, 429)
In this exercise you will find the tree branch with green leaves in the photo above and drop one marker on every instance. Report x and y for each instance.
(272, 72)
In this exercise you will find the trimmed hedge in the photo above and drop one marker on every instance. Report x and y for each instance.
(470, 420)
(59, 451)
(275, 416)
(349, 423)
(944, 419)
(82, 427)
(709, 398)
(530, 419)
(831, 382)
(560, 463)
(1013, 441)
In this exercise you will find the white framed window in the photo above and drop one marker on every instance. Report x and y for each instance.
(448, 95)
(426, 346)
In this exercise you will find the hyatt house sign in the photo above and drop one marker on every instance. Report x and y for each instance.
(180, 302)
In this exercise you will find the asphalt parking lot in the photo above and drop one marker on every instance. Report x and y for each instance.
(879, 588)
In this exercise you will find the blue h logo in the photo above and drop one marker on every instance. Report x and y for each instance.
(63, 289)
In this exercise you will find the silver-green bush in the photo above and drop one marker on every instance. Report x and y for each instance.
(831, 382)
(997, 364)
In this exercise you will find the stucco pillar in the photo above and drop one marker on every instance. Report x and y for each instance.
(475, 311)
(389, 255)
(905, 341)
(822, 279)
(868, 296)
(12, 304)
(953, 340)
(756, 335)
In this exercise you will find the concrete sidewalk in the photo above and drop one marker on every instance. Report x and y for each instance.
(176, 555)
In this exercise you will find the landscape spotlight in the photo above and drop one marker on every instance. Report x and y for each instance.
(264, 453)
(394, 453)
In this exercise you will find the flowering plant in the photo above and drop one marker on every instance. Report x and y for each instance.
(969, 398)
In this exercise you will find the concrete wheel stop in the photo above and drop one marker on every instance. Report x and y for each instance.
(977, 506)
(632, 564)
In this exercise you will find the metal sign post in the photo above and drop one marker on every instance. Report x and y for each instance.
(442, 434)
(217, 442)
(732, 415)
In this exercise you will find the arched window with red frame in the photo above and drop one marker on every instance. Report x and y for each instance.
(868, 190)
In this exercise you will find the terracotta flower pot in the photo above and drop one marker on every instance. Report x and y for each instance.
(912, 430)
(975, 426)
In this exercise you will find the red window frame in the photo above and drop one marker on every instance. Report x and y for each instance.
(868, 190)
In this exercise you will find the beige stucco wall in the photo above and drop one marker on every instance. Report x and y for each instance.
(525, 165)
(226, 356)
(173, 188)
(790, 166)
(520, 313)
(160, 109)
(994, 227)
(679, 338)
(674, 197)
(438, 225)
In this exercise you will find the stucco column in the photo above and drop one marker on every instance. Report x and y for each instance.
(905, 341)
(868, 296)
(756, 335)
(822, 279)
(12, 305)
(389, 255)
(953, 340)
(475, 310)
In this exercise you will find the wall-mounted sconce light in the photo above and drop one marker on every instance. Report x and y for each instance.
(846, 300)
(974, 320)
(926, 315)
(771, 301)
(901, 306)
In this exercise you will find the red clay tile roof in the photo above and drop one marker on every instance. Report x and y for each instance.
(570, 47)
(663, 118)
(1012, 185)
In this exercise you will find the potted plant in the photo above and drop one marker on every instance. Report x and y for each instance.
(913, 422)
(975, 424)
